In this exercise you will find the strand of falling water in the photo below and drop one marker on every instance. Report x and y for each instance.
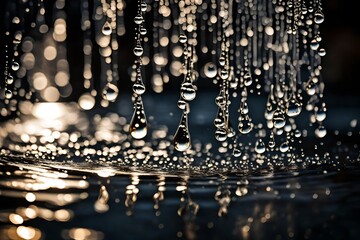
(138, 124)
(110, 91)
(187, 19)
(87, 99)
(120, 26)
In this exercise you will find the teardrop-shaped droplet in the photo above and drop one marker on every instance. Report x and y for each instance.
(278, 118)
(293, 108)
(138, 124)
(8, 94)
(9, 79)
(182, 140)
(221, 134)
(244, 108)
(247, 79)
(110, 92)
(139, 87)
(106, 29)
(15, 66)
(260, 146)
(188, 91)
(138, 50)
(138, 19)
(182, 38)
(320, 115)
(245, 125)
(318, 17)
(284, 147)
(297, 133)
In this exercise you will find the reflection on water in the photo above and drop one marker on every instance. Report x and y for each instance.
(65, 174)
(45, 203)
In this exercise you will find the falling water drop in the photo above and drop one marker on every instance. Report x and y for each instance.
(181, 104)
(106, 29)
(9, 79)
(210, 70)
(138, 50)
(8, 94)
(272, 140)
(138, 124)
(182, 38)
(320, 132)
(314, 44)
(221, 134)
(247, 79)
(188, 91)
(278, 118)
(15, 66)
(293, 108)
(284, 147)
(318, 17)
(139, 87)
(110, 92)
(236, 152)
(322, 52)
(139, 19)
(143, 6)
(260, 146)
(245, 125)
(182, 140)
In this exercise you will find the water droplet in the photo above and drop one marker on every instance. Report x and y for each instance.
(311, 88)
(245, 125)
(139, 87)
(236, 152)
(8, 94)
(297, 133)
(210, 70)
(230, 130)
(110, 92)
(143, 31)
(188, 91)
(272, 140)
(182, 38)
(222, 61)
(219, 119)
(314, 44)
(15, 66)
(9, 79)
(182, 140)
(106, 29)
(221, 134)
(322, 52)
(138, 50)
(224, 74)
(247, 79)
(139, 19)
(260, 146)
(320, 132)
(320, 115)
(181, 104)
(278, 118)
(143, 6)
(293, 108)
(220, 100)
(318, 16)
(138, 124)
(284, 147)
